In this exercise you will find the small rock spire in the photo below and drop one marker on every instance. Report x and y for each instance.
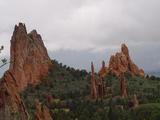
(103, 64)
(93, 83)
(97, 84)
(124, 49)
(123, 87)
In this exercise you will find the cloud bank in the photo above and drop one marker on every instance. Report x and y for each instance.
(93, 26)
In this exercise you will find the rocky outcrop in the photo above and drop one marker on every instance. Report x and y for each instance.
(29, 58)
(11, 105)
(122, 63)
(123, 87)
(42, 112)
(29, 64)
(97, 85)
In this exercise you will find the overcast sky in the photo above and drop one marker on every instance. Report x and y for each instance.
(79, 31)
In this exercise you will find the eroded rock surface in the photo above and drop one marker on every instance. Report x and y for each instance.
(29, 58)
(122, 63)
(11, 105)
(29, 64)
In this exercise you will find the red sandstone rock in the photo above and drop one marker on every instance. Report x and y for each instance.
(123, 86)
(121, 63)
(29, 63)
(29, 58)
(42, 112)
(103, 71)
(11, 105)
(97, 85)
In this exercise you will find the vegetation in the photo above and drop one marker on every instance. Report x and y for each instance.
(4, 60)
(70, 89)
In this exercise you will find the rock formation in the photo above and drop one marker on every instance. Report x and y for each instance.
(97, 85)
(29, 57)
(123, 87)
(11, 105)
(103, 71)
(135, 101)
(29, 63)
(121, 63)
(42, 112)
(93, 83)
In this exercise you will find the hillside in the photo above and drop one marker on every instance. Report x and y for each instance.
(66, 92)
(38, 88)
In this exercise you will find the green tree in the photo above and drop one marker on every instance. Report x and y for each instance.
(4, 60)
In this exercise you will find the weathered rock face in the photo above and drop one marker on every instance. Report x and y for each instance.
(11, 105)
(42, 112)
(29, 63)
(121, 63)
(29, 57)
(97, 85)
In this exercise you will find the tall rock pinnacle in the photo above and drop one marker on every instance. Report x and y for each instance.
(93, 83)
(29, 63)
(103, 71)
(121, 63)
(97, 85)
(29, 57)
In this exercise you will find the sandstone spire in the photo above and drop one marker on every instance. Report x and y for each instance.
(29, 57)
(103, 71)
(93, 83)
(10, 101)
(97, 84)
(29, 63)
(122, 63)
(123, 87)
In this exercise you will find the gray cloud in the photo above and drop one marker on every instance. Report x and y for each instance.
(95, 25)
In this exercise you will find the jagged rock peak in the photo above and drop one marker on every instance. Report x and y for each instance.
(121, 63)
(29, 64)
(124, 49)
(29, 58)
(20, 27)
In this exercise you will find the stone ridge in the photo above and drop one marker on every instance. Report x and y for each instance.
(29, 58)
